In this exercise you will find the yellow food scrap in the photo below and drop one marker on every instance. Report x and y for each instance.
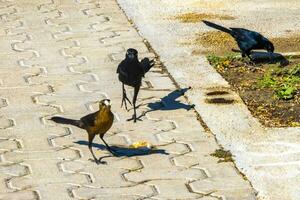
(140, 144)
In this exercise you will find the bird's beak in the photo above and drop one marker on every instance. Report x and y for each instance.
(130, 56)
(107, 102)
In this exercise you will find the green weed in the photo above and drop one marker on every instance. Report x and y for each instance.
(283, 81)
(224, 156)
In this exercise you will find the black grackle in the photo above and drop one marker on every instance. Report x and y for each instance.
(131, 72)
(95, 123)
(247, 40)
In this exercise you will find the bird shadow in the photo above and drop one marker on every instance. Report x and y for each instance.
(260, 57)
(269, 58)
(169, 102)
(123, 151)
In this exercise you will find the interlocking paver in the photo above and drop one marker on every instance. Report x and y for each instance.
(60, 57)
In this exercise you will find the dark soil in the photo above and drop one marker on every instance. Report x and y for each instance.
(261, 101)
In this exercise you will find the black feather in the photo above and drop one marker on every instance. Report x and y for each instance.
(216, 26)
(130, 72)
(247, 40)
(147, 64)
(62, 120)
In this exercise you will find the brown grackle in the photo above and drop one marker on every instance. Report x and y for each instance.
(95, 123)
(131, 71)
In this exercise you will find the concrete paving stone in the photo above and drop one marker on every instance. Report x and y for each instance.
(152, 126)
(19, 156)
(61, 190)
(173, 189)
(177, 148)
(18, 122)
(171, 173)
(119, 165)
(222, 169)
(160, 111)
(33, 182)
(210, 198)
(80, 139)
(117, 197)
(177, 135)
(211, 184)
(108, 178)
(203, 147)
(185, 160)
(11, 169)
(195, 160)
(141, 190)
(8, 145)
(162, 83)
(68, 77)
(5, 123)
(10, 63)
(3, 187)
(20, 195)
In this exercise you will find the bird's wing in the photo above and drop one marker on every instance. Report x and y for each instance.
(119, 67)
(89, 119)
(122, 69)
(245, 38)
(146, 64)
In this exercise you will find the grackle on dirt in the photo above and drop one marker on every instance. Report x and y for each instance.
(95, 123)
(131, 71)
(247, 40)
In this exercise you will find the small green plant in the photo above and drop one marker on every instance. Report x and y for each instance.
(285, 91)
(224, 156)
(295, 70)
(284, 82)
(266, 81)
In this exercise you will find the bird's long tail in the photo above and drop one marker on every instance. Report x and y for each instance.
(147, 64)
(216, 26)
(62, 120)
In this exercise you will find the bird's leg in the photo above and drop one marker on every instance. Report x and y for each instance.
(107, 146)
(136, 91)
(248, 53)
(91, 138)
(124, 98)
(251, 59)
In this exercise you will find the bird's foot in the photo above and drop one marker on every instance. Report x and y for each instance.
(134, 118)
(98, 161)
(125, 104)
(101, 162)
(251, 62)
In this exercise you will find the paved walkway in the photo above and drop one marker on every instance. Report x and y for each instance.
(58, 58)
